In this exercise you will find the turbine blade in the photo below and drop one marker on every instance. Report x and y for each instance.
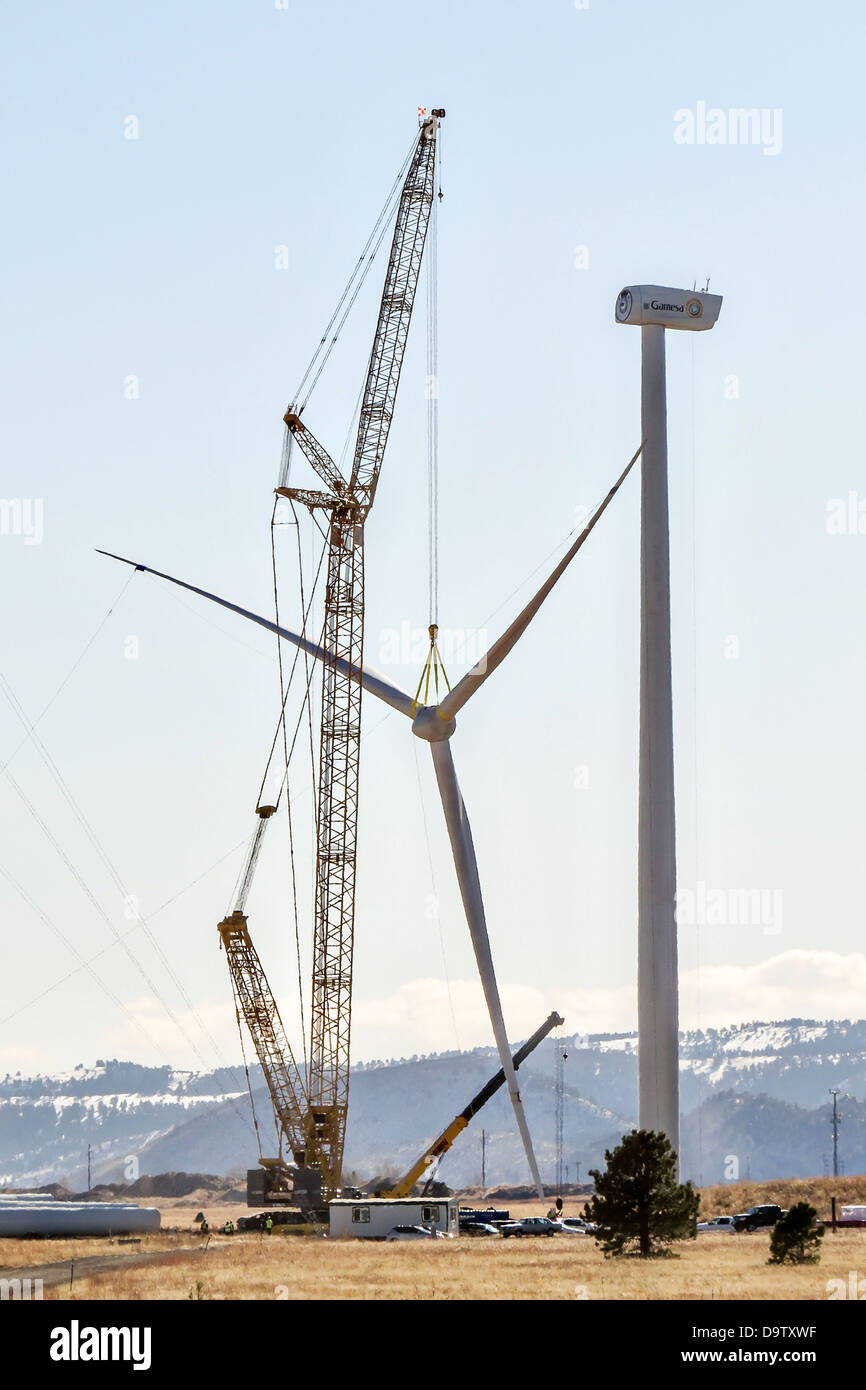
(466, 864)
(466, 687)
(369, 680)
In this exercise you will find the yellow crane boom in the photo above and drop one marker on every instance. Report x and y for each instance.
(443, 1143)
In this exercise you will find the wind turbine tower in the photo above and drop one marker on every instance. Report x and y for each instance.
(655, 308)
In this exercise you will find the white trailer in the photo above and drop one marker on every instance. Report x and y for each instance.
(371, 1218)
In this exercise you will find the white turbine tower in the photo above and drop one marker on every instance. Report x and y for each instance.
(655, 308)
(435, 724)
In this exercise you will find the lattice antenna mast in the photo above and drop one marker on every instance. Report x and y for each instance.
(561, 1055)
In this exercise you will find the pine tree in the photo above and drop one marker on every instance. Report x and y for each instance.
(639, 1206)
(796, 1239)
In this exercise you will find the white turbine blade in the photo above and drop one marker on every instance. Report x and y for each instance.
(466, 687)
(369, 680)
(470, 890)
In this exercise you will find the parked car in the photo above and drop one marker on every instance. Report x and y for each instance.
(414, 1233)
(571, 1226)
(756, 1217)
(718, 1223)
(479, 1228)
(529, 1226)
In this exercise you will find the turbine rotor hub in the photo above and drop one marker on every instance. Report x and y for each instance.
(429, 725)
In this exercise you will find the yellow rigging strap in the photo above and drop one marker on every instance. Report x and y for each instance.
(432, 666)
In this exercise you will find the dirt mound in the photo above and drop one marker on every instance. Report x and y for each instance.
(174, 1185)
(523, 1192)
(150, 1185)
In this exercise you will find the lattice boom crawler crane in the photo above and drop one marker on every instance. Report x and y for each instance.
(313, 1116)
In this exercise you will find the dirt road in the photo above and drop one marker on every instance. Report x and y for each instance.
(66, 1272)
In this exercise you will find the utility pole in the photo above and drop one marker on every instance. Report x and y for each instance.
(577, 1173)
(837, 1119)
(88, 1167)
(484, 1158)
(654, 309)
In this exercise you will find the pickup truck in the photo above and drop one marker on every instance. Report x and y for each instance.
(529, 1226)
(476, 1216)
(756, 1217)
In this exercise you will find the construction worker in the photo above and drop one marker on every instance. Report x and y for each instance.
(269, 1224)
(229, 1228)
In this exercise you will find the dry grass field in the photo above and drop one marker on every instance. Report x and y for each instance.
(282, 1266)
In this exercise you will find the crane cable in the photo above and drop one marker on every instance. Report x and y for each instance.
(287, 688)
(433, 664)
(434, 661)
(432, 393)
(244, 881)
(344, 307)
(284, 695)
(246, 1066)
(359, 273)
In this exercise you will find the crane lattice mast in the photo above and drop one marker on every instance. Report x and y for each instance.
(347, 505)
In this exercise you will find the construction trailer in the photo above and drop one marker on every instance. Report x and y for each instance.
(371, 1218)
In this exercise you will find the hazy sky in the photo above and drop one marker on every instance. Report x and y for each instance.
(152, 343)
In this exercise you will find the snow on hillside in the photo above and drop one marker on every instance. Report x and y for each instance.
(172, 1119)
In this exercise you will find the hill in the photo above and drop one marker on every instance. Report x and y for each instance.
(754, 1099)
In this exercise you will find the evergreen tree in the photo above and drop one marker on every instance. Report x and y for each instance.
(639, 1206)
(796, 1239)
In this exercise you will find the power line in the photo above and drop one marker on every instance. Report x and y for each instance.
(83, 964)
(94, 840)
(86, 962)
(71, 672)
